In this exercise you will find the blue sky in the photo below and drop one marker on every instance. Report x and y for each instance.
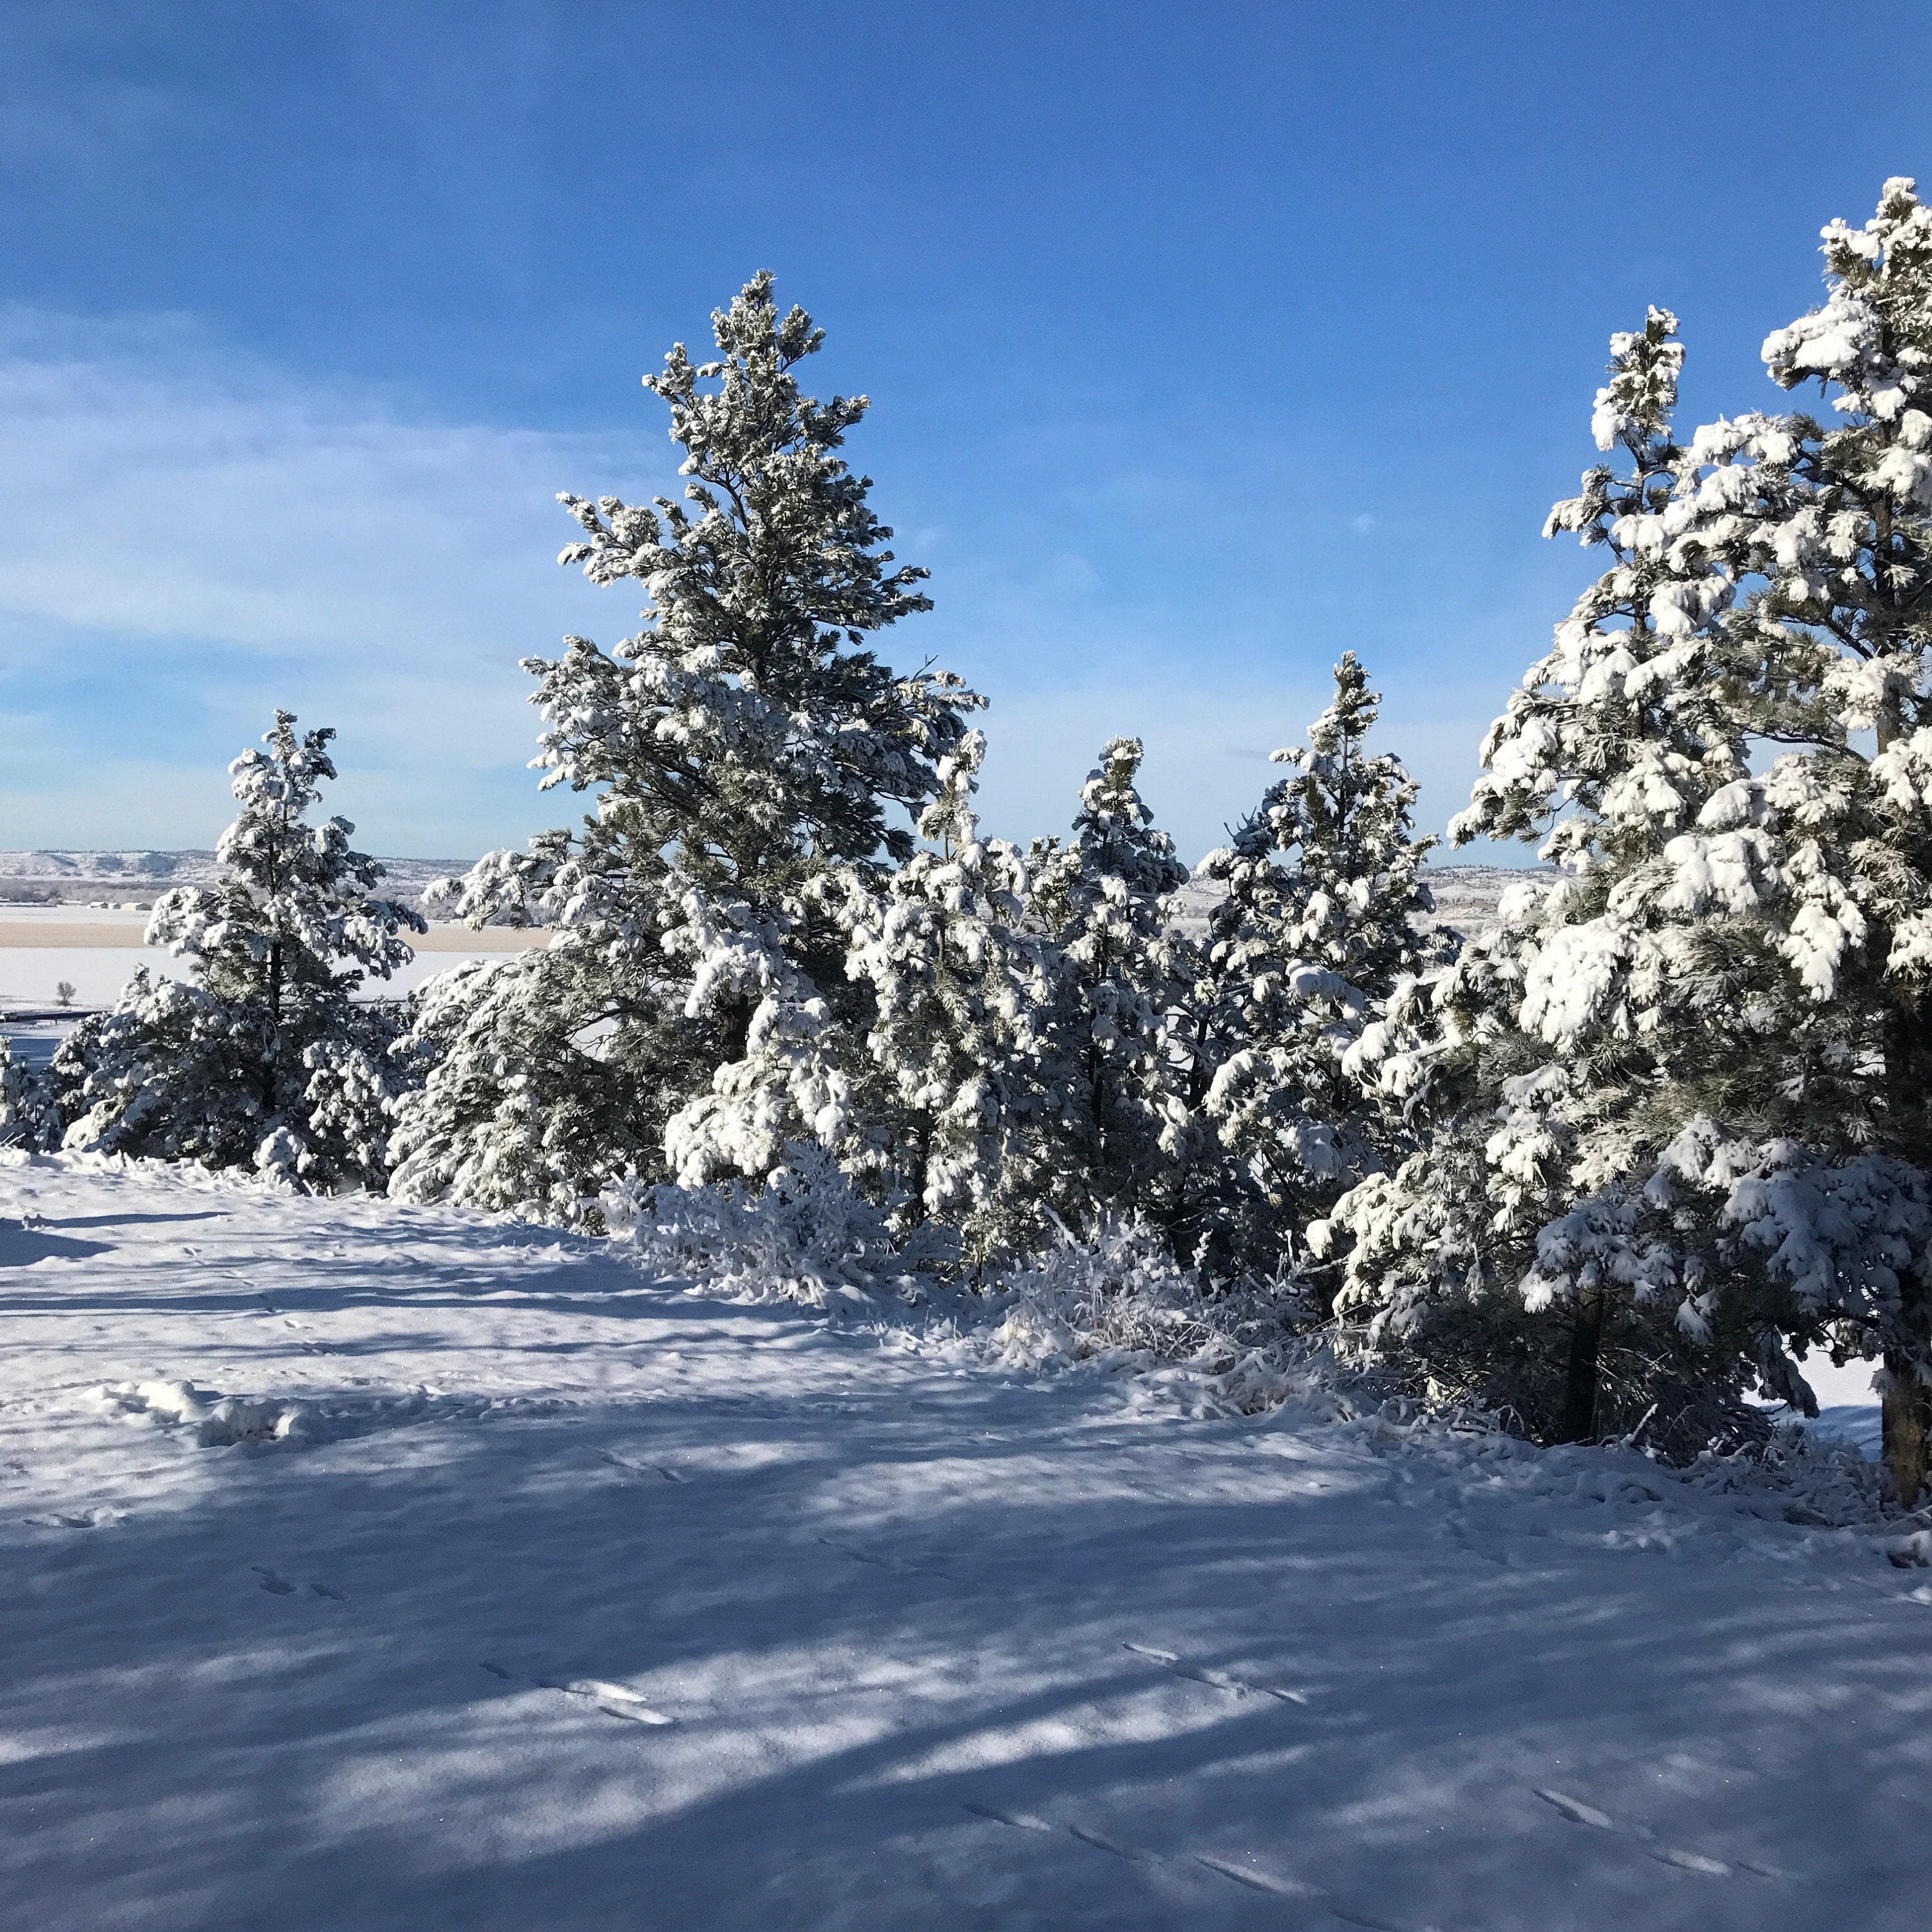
(1205, 342)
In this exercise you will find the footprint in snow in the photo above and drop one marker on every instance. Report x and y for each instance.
(643, 1469)
(1102, 1842)
(898, 1569)
(614, 1700)
(1256, 1878)
(1215, 1680)
(1025, 1821)
(1021, 1821)
(278, 1585)
(1243, 1872)
(1578, 1812)
(1693, 1862)
(1351, 1915)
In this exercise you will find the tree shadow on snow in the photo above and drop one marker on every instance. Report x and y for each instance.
(346, 1662)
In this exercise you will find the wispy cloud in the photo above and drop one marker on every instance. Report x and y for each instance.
(186, 537)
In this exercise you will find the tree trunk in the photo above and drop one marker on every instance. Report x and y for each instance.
(1907, 1416)
(1580, 1396)
(734, 1028)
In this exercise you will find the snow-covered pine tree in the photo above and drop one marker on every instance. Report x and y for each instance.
(957, 981)
(12, 1095)
(262, 1058)
(1105, 1131)
(1697, 1071)
(1608, 748)
(692, 1015)
(1829, 529)
(1319, 925)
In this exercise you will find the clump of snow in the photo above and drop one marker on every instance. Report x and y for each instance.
(218, 1421)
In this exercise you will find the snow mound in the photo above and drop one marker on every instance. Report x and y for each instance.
(218, 1421)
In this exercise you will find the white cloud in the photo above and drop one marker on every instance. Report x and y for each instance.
(212, 536)
(150, 488)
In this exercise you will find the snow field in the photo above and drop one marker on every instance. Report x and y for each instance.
(571, 1598)
(28, 974)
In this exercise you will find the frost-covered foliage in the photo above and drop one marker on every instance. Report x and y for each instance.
(1683, 1096)
(949, 1078)
(1317, 927)
(1104, 1131)
(512, 1095)
(805, 1236)
(1119, 1293)
(263, 1060)
(14, 1092)
(750, 759)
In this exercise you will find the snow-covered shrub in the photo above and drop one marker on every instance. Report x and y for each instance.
(804, 1236)
(1117, 1297)
(515, 1108)
(1806, 1477)
(950, 1076)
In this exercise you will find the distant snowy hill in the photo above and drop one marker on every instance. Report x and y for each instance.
(83, 876)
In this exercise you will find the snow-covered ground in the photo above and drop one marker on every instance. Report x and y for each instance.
(565, 1598)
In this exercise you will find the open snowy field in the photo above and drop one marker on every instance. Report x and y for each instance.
(96, 952)
(566, 1598)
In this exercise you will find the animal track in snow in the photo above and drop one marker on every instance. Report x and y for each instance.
(897, 1567)
(856, 1555)
(1215, 1680)
(278, 1585)
(1102, 1842)
(1256, 1878)
(1021, 1821)
(642, 1469)
(1350, 1915)
(614, 1700)
(1578, 1812)
(1693, 1862)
